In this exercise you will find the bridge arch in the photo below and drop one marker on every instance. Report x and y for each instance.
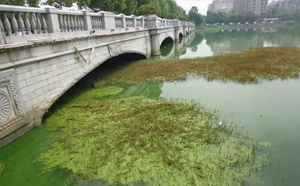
(65, 93)
(166, 41)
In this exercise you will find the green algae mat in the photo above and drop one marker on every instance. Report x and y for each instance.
(152, 141)
(251, 66)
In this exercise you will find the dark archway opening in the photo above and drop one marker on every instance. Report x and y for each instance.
(166, 46)
(180, 37)
(87, 82)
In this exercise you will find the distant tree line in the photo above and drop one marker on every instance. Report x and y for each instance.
(282, 14)
(163, 8)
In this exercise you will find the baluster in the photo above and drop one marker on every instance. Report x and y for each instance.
(1, 26)
(14, 24)
(68, 22)
(27, 24)
(75, 23)
(33, 23)
(98, 23)
(78, 23)
(7, 25)
(81, 22)
(64, 23)
(21, 23)
(100, 20)
(71, 23)
(93, 22)
(38, 24)
(60, 23)
(44, 24)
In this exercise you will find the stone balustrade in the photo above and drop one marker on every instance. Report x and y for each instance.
(25, 24)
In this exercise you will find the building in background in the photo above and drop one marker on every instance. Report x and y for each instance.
(255, 6)
(239, 6)
(285, 4)
(221, 6)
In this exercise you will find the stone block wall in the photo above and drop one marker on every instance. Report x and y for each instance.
(42, 73)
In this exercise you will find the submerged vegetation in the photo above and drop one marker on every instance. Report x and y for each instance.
(154, 141)
(247, 67)
(1, 167)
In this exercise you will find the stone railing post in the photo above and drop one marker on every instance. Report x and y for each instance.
(152, 22)
(143, 22)
(123, 21)
(176, 24)
(109, 21)
(134, 21)
(87, 23)
(184, 25)
(51, 19)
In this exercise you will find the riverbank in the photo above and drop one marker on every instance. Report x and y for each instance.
(250, 66)
(275, 25)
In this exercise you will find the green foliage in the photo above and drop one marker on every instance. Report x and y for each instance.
(171, 16)
(131, 6)
(116, 6)
(195, 16)
(156, 141)
(33, 3)
(1, 167)
(60, 3)
(13, 2)
(146, 9)
(221, 17)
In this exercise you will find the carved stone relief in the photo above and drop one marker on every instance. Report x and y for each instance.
(11, 106)
(115, 49)
(5, 107)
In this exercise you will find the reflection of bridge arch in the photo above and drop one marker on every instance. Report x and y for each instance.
(177, 48)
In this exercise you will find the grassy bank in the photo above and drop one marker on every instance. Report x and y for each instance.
(214, 28)
(250, 66)
(154, 141)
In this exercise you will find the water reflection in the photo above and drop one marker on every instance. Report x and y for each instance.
(269, 111)
(227, 41)
(150, 90)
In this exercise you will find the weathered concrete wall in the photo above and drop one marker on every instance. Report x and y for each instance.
(51, 70)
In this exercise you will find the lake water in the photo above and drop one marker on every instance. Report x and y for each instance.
(269, 110)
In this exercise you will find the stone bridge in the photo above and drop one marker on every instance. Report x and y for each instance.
(45, 51)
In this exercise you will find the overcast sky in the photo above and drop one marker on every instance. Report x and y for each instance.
(201, 4)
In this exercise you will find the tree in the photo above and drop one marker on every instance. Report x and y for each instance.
(146, 9)
(131, 6)
(117, 6)
(195, 16)
(13, 2)
(67, 3)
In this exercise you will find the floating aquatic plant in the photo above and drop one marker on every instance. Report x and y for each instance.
(247, 67)
(155, 141)
(1, 167)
